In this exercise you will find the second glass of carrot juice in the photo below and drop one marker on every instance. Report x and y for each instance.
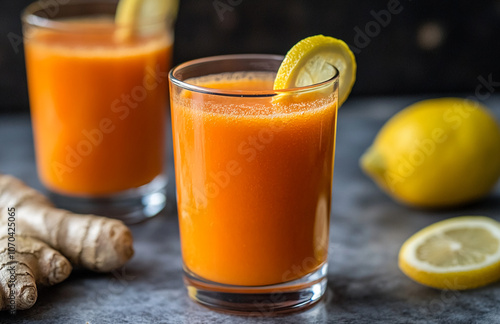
(254, 170)
(99, 107)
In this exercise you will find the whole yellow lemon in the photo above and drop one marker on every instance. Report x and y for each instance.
(436, 153)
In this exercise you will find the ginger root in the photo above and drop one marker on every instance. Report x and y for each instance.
(42, 231)
(34, 263)
(93, 242)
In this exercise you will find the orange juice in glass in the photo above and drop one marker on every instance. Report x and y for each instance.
(98, 106)
(254, 172)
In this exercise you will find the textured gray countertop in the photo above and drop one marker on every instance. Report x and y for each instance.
(367, 230)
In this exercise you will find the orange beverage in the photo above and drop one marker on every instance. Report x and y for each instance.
(254, 177)
(98, 104)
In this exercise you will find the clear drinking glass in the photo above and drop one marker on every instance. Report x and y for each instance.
(254, 172)
(98, 106)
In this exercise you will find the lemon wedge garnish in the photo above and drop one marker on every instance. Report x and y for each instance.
(312, 60)
(133, 16)
(455, 254)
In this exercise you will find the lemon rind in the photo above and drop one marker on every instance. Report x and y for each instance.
(335, 51)
(409, 248)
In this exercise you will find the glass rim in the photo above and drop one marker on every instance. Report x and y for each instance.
(29, 16)
(241, 93)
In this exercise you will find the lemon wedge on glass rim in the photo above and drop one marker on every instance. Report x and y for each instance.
(133, 16)
(310, 61)
(455, 254)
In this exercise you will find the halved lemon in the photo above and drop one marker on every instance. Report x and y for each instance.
(310, 61)
(131, 14)
(455, 254)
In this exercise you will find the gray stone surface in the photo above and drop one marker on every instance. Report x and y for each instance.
(367, 229)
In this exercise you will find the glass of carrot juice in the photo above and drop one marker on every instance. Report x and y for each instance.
(98, 107)
(254, 172)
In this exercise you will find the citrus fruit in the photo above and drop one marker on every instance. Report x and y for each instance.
(436, 153)
(456, 254)
(312, 60)
(135, 16)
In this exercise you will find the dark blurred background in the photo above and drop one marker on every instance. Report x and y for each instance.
(402, 47)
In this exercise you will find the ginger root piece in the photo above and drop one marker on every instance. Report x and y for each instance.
(93, 242)
(33, 263)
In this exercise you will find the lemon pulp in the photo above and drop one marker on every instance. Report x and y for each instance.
(458, 253)
(314, 60)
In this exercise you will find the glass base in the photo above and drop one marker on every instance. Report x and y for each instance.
(258, 300)
(130, 206)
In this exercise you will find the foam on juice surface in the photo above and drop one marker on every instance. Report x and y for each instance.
(247, 94)
(93, 37)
